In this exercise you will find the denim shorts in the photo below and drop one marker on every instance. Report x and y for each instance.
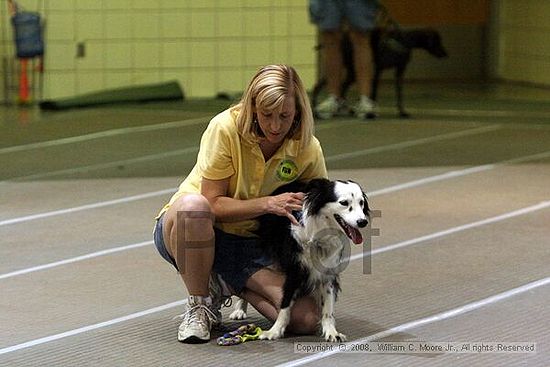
(328, 15)
(236, 258)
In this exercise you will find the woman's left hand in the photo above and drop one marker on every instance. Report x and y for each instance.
(284, 204)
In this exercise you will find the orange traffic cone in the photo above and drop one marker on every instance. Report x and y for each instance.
(24, 95)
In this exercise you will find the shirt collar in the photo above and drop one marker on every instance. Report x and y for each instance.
(289, 148)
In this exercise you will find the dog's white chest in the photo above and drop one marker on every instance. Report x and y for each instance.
(322, 255)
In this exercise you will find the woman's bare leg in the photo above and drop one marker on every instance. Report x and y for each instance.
(189, 238)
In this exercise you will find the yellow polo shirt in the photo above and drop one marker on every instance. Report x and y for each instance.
(225, 153)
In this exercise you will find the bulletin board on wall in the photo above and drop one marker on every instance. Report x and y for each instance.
(438, 12)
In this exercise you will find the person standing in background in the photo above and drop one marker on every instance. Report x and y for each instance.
(331, 17)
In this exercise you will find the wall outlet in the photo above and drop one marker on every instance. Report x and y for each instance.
(80, 49)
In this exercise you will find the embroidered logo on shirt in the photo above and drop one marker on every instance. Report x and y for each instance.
(287, 170)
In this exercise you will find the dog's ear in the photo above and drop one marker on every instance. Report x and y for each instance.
(319, 191)
(435, 44)
(317, 184)
(366, 208)
(294, 186)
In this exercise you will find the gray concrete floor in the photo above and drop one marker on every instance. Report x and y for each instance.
(462, 256)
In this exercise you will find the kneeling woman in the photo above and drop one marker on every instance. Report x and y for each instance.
(246, 152)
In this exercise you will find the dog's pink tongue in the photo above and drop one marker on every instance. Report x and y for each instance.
(356, 236)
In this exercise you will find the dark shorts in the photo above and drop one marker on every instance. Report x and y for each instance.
(329, 15)
(236, 258)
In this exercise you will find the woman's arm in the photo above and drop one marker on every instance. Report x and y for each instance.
(227, 209)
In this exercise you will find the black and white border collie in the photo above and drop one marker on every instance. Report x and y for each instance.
(311, 255)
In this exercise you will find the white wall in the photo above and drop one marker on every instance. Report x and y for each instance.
(207, 45)
(216, 45)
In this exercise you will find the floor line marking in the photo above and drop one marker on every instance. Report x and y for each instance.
(458, 173)
(98, 166)
(162, 192)
(354, 257)
(415, 142)
(84, 329)
(473, 113)
(120, 162)
(194, 149)
(469, 307)
(115, 132)
(75, 259)
(104, 134)
(80, 330)
(406, 185)
(96, 205)
(540, 206)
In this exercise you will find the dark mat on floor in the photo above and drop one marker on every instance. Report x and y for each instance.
(144, 93)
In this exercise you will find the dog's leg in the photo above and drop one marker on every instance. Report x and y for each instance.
(374, 85)
(239, 312)
(328, 323)
(289, 297)
(278, 329)
(399, 74)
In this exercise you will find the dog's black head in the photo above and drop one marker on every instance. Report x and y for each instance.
(430, 40)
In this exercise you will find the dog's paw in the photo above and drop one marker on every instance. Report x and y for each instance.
(238, 315)
(271, 334)
(335, 337)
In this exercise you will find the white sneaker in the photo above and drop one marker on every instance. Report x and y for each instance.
(328, 108)
(197, 321)
(220, 294)
(365, 108)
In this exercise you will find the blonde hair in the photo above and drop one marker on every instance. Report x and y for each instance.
(267, 91)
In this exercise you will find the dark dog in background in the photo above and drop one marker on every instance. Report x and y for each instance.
(391, 49)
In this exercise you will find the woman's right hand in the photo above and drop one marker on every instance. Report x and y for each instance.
(284, 204)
